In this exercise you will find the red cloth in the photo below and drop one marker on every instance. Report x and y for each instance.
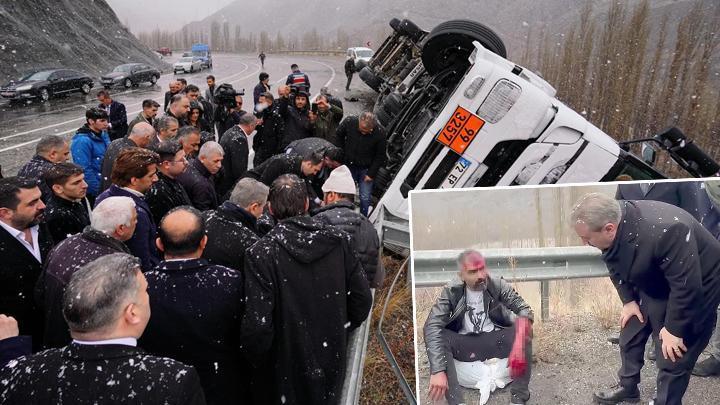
(516, 361)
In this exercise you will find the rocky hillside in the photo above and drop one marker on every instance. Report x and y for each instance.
(80, 34)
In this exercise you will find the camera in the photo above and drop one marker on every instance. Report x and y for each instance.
(225, 95)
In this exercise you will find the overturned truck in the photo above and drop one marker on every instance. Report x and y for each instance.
(458, 114)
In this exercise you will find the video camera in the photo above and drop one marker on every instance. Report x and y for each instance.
(225, 95)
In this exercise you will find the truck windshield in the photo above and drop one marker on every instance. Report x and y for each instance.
(199, 53)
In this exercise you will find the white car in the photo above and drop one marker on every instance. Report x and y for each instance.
(464, 116)
(360, 54)
(187, 64)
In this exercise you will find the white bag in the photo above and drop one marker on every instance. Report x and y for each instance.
(483, 376)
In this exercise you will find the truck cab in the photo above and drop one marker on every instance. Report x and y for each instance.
(203, 52)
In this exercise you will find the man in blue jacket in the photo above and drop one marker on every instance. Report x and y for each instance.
(133, 175)
(88, 148)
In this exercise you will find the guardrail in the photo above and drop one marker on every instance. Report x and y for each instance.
(434, 268)
(357, 348)
(409, 395)
(302, 52)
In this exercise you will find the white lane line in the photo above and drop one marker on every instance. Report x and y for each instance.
(129, 114)
(82, 118)
(332, 77)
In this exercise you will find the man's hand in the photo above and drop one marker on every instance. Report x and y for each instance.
(367, 179)
(438, 386)
(259, 121)
(8, 327)
(629, 310)
(672, 346)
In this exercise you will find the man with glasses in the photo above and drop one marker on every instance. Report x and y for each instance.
(166, 193)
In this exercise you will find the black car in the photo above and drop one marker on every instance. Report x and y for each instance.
(47, 83)
(130, 74)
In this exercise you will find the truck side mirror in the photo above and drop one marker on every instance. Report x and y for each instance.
(649, 155)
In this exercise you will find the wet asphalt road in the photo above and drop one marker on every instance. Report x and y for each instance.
(22, 126)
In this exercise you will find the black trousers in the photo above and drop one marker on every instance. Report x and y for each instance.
(483, 346)
(349, 77)
(672, 378)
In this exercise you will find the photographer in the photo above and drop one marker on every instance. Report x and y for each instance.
(229, 108)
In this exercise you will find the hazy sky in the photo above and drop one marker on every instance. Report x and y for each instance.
(146, 15)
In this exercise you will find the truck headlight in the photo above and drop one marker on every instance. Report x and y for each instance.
(474, 87)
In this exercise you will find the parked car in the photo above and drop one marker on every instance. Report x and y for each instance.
(44, 84)
(164, 51)
(188, 64)
(130, 74)
(458, 114)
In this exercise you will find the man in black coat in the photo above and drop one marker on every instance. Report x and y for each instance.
(236, 217)
(114, 220)
(67, 211)
(50, 150)
(266, 142)
(349, 71)
(107, 308)
(666, 268)
(167, 193)
(198, 179)
(175, 88)
(339, 210)
(263, 86)
(296, 114)
(179, 109)
(133, 174)
(305, 290)
(332, 158)
(235, 145)
(140, 136)
(24, 244)
(117, 115)
(364, 145)
(205, 301)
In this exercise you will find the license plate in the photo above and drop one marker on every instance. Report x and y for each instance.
(457, 173)
(460, 130)
(7, 94)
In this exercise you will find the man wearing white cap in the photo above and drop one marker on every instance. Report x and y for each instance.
(339, 210)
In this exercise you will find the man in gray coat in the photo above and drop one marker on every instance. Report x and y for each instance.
(478, 318)
(666, 268)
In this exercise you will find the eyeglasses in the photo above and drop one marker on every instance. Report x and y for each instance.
(183, 161)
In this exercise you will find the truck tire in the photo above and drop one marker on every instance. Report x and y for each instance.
(370, 78)
(392, 103)
(450, 43)
(411, 30)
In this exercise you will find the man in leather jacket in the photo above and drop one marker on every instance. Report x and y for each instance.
(479, 318)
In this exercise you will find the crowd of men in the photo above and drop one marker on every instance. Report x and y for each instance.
(166, 264)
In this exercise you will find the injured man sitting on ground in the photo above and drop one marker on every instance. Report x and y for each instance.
(478, 327)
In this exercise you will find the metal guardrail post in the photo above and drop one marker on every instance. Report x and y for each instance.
(544, 300)
(356, 351)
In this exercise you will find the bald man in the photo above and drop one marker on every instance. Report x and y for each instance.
(140, 136)
(175, 87)
(206, 299)
(472, 321)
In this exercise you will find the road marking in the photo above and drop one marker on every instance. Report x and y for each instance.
(129, 114)
(82, 118)
(332, 77)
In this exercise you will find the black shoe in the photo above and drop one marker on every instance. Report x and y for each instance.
(617, 395)
(515, 400)
(707, 367)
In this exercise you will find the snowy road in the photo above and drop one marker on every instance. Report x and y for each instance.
(22, 126)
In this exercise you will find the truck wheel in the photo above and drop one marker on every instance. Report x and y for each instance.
(128, 83)
(450, 43)
(370, 78)
(392, 103)
(410, 29)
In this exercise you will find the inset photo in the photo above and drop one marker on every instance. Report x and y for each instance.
(576, 294)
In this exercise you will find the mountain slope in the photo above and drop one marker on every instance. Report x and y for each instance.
(81, 34)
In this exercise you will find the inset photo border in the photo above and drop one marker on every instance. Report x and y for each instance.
(527, 236)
